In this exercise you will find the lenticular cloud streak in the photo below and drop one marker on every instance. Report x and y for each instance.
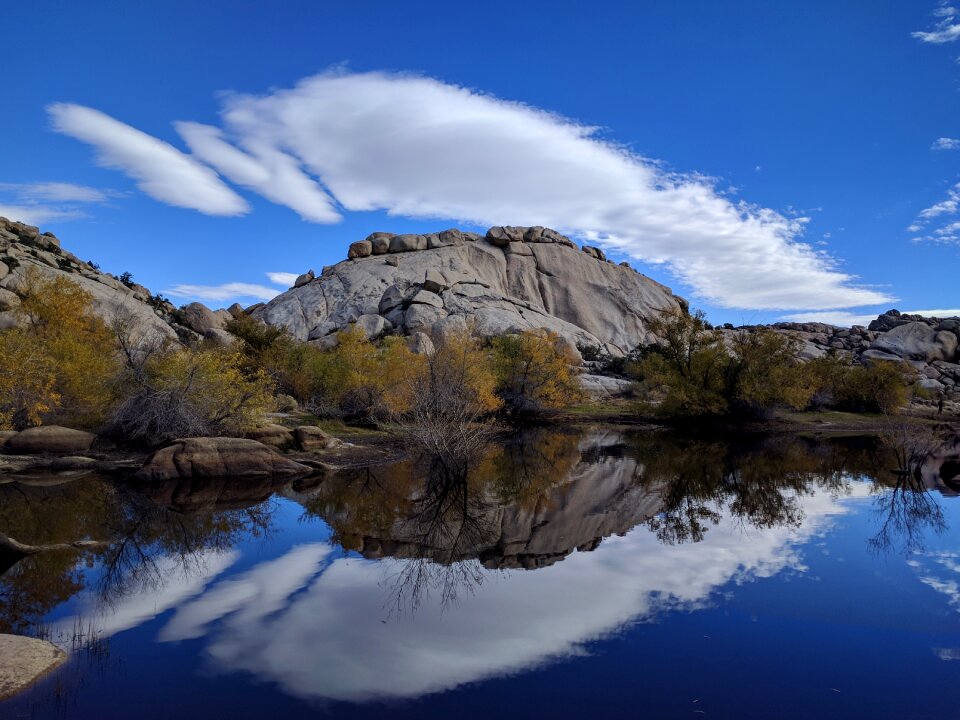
(417, 147)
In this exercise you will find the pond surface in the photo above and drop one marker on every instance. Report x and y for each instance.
(577, 574)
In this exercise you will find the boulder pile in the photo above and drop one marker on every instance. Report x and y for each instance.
(510, 279)
(929, 345)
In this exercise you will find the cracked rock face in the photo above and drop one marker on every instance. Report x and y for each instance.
(23, 247)
(512, 279)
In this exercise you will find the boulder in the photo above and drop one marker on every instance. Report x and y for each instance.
(379, 242)
(50, 438)
(8, 300)
(393, 297)
(373, 326)
(326, 343)
(4, 270)
(273, 435)
(309, 438)
(407, 243)
(302, 280)
(917, 341)
(10, 320)
(23, 661)
(199, 318)
(220, 338)
(236, 311)
(218, 457)
(451, 237)
(602, 387)
(6, 435)
(870, 356)
(421, 317)
(594, 252)
(434, 281)
(503, 235)
(426, 297)
(420, 344)
(361, 249)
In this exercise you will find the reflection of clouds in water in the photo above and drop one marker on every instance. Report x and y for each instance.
(252, 596)
(174, 586)
(934, 569)
(330, 640)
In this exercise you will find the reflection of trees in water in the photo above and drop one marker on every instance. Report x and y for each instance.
(526, 502)
(907, 512)
(130, 533)
(759, 484)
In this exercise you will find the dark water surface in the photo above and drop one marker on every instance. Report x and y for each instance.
(583, 574)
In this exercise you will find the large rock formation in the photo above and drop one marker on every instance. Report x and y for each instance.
(23, 247)
(511, 279)
(927, 344)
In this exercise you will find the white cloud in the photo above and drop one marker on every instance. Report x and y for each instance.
(840, 318)
(417, 147)
(226, 291)
(265, 169)
(323, 634)
(283, 278)
(945, 30)
(38, 214)
(58, 192)
(41, 202)
(161, 171)
(175, 584)
(947, 234)
(945, 144)
(843, 318)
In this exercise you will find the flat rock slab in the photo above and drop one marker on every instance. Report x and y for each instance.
(25, 660)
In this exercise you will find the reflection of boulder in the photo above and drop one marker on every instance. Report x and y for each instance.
(450, 521)
(188, 495)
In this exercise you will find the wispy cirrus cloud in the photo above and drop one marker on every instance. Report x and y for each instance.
(934, 223)
(159, 169)
(945, 29)
(283, 278)
(945, 143)
(41, 202)
(842, 318)
(233, 290)
(417, 147)
(264, 169)
(220, 293)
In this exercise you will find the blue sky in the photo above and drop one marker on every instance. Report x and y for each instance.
(766, 160)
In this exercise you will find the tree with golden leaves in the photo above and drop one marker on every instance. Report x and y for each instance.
(63, 360)
(535, 369)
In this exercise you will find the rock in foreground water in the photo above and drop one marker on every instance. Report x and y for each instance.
(216, 457)
(25, 660)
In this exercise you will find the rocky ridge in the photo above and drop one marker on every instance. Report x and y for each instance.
(928, 344)
(511, 279)
(23, 247)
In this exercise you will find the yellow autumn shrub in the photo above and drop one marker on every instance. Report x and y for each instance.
(73, 360)
(535, 369)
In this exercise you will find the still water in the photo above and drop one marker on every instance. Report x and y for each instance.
(574, 574)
